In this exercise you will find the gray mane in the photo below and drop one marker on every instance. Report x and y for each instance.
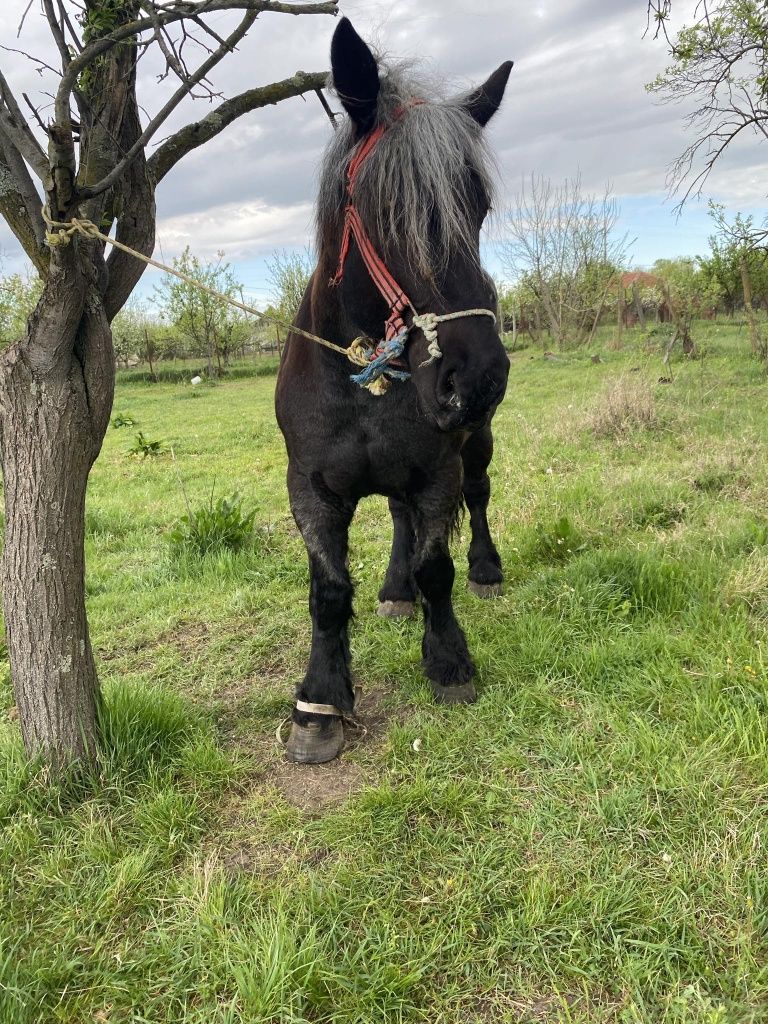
(413, 191)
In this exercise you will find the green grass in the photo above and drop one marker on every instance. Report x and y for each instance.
(585, 844)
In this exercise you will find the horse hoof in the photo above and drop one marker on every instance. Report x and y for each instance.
(485, 590)
(313, 743)
(396, 609)
(464, 694)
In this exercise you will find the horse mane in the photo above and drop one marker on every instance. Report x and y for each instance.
(416, 190)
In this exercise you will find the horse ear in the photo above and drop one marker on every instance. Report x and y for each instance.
(355, 75)
(483, 103)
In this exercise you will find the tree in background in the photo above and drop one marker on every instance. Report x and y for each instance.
(289, 274)
(739, 258)
(563, 244)
(690, 293)
(136, 335)
(89, 161)
(209, 324)
(719, 63)
(19, 294)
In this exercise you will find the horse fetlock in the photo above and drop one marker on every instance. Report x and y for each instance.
(447, 663)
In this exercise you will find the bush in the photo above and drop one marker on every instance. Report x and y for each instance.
(217, 526)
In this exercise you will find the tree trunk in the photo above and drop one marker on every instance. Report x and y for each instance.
(619, 316)
(754, 330)
(638, 303)
(55, 399)
(148, 352)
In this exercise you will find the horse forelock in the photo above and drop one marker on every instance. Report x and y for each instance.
(415, 191)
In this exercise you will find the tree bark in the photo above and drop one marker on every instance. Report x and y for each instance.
(48, 448)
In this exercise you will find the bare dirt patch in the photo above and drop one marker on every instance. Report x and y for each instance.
(316, 788)
(547, 1009)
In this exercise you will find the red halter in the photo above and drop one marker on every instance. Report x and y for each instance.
(392, 293)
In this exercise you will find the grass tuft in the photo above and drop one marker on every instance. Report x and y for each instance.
(627, 405)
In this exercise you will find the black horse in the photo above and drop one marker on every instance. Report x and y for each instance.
(404, 191)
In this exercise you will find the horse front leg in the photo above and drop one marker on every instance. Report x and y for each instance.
(446, 659)
(485, 574)
(317, 733)
(397, 597)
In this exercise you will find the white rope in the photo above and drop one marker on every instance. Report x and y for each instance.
(427, 324)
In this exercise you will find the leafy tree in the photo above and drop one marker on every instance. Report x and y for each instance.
(210, 324)
(719, 63)
(289, 274)
(740, 259)
(90, 160)
(19, 294)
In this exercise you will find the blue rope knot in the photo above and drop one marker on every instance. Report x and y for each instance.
(380, 358)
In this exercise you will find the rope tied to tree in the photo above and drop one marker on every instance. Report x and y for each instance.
(60, 233)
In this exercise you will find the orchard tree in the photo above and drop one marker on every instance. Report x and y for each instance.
(564, 243)
(208, 322)
(135, 334)
(289, 274)
(56, 385)
(689, 293)
(738, 253)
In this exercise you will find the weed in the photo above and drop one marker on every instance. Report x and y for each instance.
(557, 541)
(123, 419)
(146, 448)
(220, 525)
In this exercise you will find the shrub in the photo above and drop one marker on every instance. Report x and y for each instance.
(217, 526)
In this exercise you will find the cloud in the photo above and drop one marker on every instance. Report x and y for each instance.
(576, 103)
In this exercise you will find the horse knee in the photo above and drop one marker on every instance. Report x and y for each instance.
(477, 490)
(435, 576)
(330, 601)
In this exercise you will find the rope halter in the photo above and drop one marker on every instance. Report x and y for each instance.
(396, 331)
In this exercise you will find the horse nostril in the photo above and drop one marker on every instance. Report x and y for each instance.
(448, 393)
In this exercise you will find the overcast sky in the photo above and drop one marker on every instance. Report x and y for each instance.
(576, 103)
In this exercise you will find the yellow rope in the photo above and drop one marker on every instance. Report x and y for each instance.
(61, 232)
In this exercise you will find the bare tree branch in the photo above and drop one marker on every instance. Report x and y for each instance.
(89, 191)
(720, 63)
(14, 127)
(167, 15)
(57, 32)
(194, 135)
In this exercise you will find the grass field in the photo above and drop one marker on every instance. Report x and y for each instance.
(587, 843)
